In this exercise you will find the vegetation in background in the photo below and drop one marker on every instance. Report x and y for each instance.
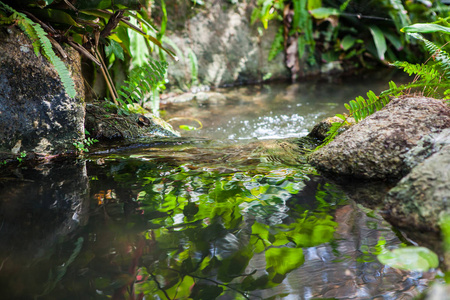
(431, 78)
(355, 31)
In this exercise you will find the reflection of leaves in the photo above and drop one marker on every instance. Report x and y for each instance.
(205, 291)
(205, 227)
(410, 258)
(283, 260)
(190, 210)
(61, 270)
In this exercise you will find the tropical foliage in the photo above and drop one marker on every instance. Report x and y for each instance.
(355, 31)
(99, 30)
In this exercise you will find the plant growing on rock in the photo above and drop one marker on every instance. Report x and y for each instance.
(94, 28)
(431, 78)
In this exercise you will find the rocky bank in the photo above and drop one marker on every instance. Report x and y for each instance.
(407, 141)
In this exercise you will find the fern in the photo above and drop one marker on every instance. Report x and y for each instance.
(439, 55)
(428, 78)
(361, 108)
(141, 82)
(40, 42)
(194, 67)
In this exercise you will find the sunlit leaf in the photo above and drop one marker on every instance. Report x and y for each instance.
(114, 48)
(324, 12)
(180, 290)
(425, 28)
(410, 258)
(313, 4)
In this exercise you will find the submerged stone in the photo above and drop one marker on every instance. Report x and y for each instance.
(376, 146)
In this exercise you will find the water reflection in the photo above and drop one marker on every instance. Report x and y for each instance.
(158, 229)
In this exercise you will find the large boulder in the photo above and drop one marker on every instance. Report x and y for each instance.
(36, 113)
(422, 198)
(227, 47)
(375, 148)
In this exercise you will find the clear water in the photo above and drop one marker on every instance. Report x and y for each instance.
(191, 219)
(274, 111)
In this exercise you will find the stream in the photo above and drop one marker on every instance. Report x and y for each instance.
(212, 215)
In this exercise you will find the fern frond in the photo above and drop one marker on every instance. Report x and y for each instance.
(424, 72)
(360, 108)
(28, 29)
(142, 81)
(437, 53)
(40, 41)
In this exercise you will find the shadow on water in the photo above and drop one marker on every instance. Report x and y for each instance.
(190, 219)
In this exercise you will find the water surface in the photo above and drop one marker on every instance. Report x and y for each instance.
(197, 219)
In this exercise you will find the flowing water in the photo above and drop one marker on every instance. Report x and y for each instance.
(199, 218)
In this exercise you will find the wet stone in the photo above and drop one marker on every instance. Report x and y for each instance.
(375, 147)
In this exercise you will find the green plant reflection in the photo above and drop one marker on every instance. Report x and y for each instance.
(200, 228)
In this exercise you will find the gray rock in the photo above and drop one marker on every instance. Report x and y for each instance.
(103, 124)
(376, 146)
(36, 113)
(422, 198)
(229, 50)
(210, 97)
(438, 291)
(427, 146)
(320, 130)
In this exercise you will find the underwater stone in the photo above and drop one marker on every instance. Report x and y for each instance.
(376, 146)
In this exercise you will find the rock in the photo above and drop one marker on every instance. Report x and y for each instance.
(422, 198)
(376, 146)
(210, 97)
(36, 113)
(321, 129)
(228, 49)
(438, 291)
(427, 146)
(180, 98)
(103, 124)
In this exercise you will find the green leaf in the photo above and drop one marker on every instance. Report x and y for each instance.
(410, 258)
(395, 40)
(54, 16)
(425, 28)
(314, 4)
(324, 12)
(114, 48)
(347, 42)
(107, 4)
(342, 117)
(187, 127)
(380, 41)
